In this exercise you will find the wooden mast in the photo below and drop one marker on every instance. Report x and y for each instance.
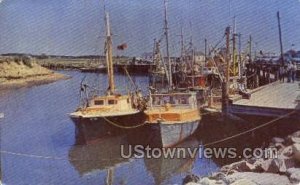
(205, 50)
(227, 58)
(182, 45)
(250, 48)
(108, 55)
(240, 55)
(234, 47)
(167, 44)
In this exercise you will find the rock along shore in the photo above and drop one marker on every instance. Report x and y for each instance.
(23, 71)
(284, 169)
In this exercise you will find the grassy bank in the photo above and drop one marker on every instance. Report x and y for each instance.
(24, 71)
(78, 63)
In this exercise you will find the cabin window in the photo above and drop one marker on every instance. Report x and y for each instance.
(99, 102)
(112, 102)
(183, 101)
(156, 101)
(173, 100)
(166, 99)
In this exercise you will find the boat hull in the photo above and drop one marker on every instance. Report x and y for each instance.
(168, 135)
(93, 70)
(112, 124)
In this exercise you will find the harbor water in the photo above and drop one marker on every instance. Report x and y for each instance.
(41, 145)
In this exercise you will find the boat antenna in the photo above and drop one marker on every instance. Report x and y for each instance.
(108, 55)
(167, 44)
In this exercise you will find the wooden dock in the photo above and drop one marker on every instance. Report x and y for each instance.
(272, 100)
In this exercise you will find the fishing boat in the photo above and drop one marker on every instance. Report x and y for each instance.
(174, 116)
(112, 109)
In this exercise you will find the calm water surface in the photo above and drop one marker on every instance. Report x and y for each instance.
(36, 122)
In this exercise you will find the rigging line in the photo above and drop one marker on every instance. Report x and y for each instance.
(214, 48)
(130, 79)
(207, 144)
(32, 155)
(49, 157)
(253, 129)
(124, 127)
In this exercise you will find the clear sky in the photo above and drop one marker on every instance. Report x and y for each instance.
(75, 27)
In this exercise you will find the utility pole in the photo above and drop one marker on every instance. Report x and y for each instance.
(225, 83)
(280, 39)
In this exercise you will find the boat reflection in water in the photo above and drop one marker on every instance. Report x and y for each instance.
(95, 152)
(164, 168)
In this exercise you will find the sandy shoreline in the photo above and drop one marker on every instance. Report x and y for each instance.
(32, 81)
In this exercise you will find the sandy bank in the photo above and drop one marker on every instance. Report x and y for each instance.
(32, 81)
(18, 72)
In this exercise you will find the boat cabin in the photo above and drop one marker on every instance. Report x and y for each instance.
(114, 101)
(176, 100)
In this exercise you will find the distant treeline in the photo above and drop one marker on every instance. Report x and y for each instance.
(44, 56)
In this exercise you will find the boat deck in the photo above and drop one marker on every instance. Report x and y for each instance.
(172, 115)
(95, 114)
(271, 100)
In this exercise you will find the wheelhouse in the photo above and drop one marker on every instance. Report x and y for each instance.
(175, 100)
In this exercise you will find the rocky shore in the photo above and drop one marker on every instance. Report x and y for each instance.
(17, 72)
(284, 169)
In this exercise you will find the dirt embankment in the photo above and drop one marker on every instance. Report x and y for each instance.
(24, 71)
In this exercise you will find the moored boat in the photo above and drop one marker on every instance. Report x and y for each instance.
(172, 117)
(98, 69)
(112, 110)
